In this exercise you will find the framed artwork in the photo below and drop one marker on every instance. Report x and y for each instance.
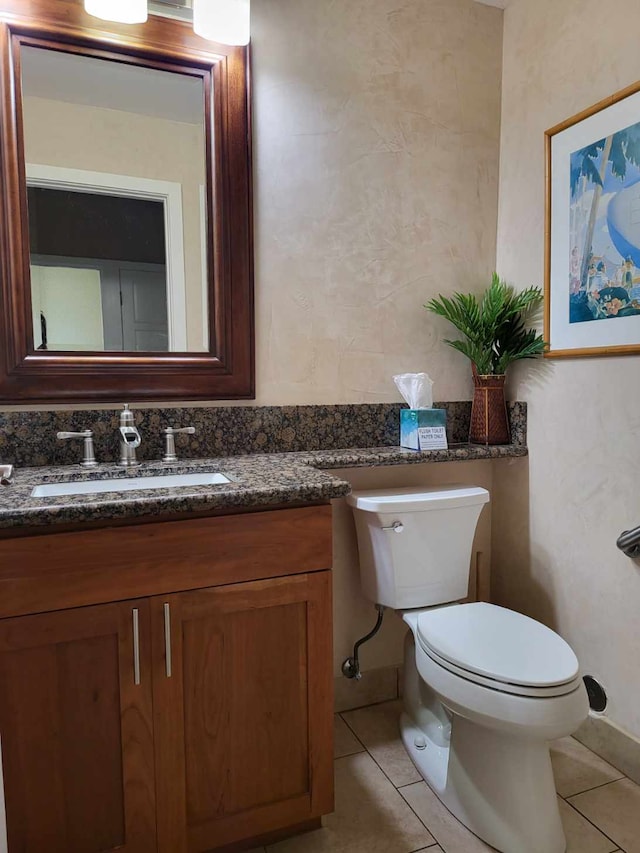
(592, 230)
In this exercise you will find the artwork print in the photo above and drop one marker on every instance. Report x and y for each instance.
(592, 230)
(604, 262)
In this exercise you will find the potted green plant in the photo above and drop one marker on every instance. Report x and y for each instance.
(495, 332)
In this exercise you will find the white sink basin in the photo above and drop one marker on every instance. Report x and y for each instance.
(127, 484)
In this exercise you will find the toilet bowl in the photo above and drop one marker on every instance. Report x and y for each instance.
(485, 689)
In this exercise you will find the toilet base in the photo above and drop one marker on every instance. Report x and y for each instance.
(507, 801)
(499, 786)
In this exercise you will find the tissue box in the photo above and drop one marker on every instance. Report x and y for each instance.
(423, 429)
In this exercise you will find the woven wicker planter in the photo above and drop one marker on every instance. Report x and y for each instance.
(489, 423)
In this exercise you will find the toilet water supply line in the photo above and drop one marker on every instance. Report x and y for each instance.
(351, 666)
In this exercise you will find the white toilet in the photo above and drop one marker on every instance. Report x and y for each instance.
(485, 688)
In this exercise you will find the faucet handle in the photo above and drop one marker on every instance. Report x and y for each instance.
(170, 443)
(88, 455)
(6, 475)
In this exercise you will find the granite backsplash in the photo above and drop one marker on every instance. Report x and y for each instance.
(29, 438)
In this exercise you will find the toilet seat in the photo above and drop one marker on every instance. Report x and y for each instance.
(502, 687)
(499, 649)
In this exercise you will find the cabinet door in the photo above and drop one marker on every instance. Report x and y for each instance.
(77, 740)
(247, 710)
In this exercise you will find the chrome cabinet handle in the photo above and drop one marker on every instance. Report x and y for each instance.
(167, 639)
(136, 646)
(396, 527)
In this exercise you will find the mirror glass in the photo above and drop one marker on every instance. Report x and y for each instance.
(116, 178)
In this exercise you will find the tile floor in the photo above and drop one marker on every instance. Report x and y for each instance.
(382, 805)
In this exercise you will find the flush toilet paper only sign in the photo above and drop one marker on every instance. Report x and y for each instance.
(423, 429)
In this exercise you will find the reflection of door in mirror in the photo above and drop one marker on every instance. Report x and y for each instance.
(90, 305)
(115, 162)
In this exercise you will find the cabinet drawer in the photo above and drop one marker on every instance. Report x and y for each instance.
(62, 570)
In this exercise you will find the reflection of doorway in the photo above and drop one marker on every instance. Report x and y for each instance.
(128, 232)
(95, 305)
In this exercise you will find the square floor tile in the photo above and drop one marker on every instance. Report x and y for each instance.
(582, 837)
(450, 834)
(615, 809)
(378, 729)
(577, 769)
(454, 837)
(370, 816)
(344, 740)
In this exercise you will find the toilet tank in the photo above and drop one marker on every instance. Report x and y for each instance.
(415, 544)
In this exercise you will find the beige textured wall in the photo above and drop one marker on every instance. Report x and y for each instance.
(557, 517)
(376, 156)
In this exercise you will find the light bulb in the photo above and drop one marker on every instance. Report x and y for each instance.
(224, 21)
(121, 11)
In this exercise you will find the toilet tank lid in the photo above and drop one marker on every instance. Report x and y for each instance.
(416, 499)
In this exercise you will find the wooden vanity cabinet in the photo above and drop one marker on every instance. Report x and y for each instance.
(183, 721)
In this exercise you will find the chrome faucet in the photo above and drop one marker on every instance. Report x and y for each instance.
(129, 439)
(6, 475)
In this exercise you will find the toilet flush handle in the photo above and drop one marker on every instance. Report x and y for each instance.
(397, 527)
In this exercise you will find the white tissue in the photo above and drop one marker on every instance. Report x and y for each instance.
(416, 388)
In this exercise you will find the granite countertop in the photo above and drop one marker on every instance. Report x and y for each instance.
(257, 480)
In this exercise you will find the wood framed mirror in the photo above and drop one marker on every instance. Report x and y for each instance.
(125, 221)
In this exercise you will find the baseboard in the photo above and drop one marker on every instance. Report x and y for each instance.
(376, 685)
(612, 743)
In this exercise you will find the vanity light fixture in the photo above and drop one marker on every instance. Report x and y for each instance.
(224, 21)
(121, 11)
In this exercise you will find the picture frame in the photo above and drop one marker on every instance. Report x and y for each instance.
(592, 230)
